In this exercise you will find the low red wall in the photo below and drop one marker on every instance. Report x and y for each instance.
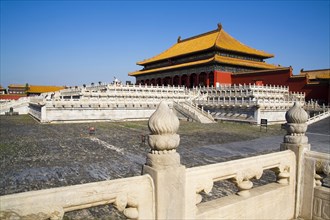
(267, 78)
(222, 77)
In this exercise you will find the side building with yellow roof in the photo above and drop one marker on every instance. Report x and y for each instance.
(37, 90)
(31, 90)
(207, 59)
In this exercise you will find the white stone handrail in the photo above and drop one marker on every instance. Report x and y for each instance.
(319, 117)
(316, 197)
(133, 196)
(240, 171)
(224, 101)
(322, 161)
(247, 86)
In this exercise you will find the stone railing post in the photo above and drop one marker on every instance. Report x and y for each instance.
(297, 141)
(163, 164)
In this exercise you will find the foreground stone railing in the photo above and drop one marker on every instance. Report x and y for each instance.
(135, 202)
(316, 197)
(241, 172)
(168, 190)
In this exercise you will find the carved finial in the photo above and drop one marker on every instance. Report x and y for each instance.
(163, 120)
(163, 125)
(296, 125)
(296, 114)
(219, 26)
(179, 39)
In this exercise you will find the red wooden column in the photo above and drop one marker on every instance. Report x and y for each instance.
(207, 79)
(197, 80)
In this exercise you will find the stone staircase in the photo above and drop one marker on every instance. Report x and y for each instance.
(20, 106)
(192, 112)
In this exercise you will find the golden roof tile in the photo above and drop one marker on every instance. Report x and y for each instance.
(217, 38)
(227, 42)
(171, 67)
(316, 74)
(42, 89)
(247, 63)
(16, 86)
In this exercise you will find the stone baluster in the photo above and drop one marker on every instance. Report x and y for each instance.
(163, 164)
(283, 177)
(244, 188)
(297, 141)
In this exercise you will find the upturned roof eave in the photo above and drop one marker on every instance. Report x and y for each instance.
(214, 59)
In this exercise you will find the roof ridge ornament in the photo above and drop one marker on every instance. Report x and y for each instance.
(219, 26)
(179, 39)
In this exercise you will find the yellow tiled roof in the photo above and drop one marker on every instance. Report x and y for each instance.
(217, 38)
(323, 76)
(247, 63)
(171, 67)
(42, 89)
(216, 58)
(317, 74)
(227, 42)
(16, 86)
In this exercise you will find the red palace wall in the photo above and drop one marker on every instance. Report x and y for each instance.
(267, 78)
(284, 77)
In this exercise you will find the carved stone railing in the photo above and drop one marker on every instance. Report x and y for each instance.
(133, 196)
(242, 96)
(111, 93)
(240, 172)
(316, 196)
(319, 117)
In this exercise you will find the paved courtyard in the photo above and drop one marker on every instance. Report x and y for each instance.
(39, 156)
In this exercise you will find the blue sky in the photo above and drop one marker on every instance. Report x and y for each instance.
(79, 42)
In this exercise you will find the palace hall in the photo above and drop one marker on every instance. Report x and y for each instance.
(208, 59)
